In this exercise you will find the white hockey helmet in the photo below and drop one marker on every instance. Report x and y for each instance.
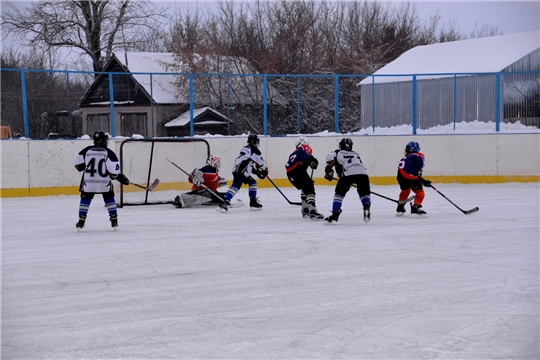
(214, 161)
(301, 141)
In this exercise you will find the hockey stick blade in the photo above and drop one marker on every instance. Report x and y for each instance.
(150, 188)
(466, 212)
(472, 211)
(282, 194)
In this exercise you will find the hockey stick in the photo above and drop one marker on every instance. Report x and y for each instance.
(150, 188)
(290, 202)
(466, 212)
(204, 186)
(411, 198)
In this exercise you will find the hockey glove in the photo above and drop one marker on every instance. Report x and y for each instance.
(122, 179)
(425, 182)
(261, 173)
(314, 163)
(222, 182)
(329, 175)
(197, 177)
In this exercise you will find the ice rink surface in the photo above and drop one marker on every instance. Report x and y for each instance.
(197, 284)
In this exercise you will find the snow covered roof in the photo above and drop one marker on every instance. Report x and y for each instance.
(490, 54)
(183, 119)
(168, 85)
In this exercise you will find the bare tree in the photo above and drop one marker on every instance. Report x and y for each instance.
(95, 28)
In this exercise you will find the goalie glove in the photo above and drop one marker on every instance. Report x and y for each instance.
(122, 179)
(329, 175)
(197, 177)
(222, 182)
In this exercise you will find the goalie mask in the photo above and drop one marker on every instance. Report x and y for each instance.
(214, 162)
(101, 139)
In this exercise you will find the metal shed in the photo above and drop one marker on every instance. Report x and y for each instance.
(493, 79)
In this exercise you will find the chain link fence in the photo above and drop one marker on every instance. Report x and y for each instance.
(69, 104)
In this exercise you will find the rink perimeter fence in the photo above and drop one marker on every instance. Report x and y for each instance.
(41, 104)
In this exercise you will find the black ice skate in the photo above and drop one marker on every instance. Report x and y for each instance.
(254, 204)
(80, 224)
(416, 211)
(305, 212)
(177, 202)
(114, 221)
(400, 211)
(315, 215)
(224, 207)
(332, 219)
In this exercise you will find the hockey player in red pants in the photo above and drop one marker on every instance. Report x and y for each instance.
(409, 177)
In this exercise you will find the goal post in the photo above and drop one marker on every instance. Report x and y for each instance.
(144, 160)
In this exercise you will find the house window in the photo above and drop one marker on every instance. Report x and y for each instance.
(98, 122)
(133, 123)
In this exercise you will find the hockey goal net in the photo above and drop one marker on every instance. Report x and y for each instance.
(144, 160)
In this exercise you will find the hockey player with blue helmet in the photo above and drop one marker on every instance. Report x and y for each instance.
(409, 177)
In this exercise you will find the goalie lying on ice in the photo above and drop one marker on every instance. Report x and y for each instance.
(205, 181)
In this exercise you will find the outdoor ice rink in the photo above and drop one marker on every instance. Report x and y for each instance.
(197, 284)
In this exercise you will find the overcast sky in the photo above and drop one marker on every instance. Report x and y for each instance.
(509, 16)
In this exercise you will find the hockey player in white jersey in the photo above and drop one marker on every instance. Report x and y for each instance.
(249, 162)
(350, 170)
(100, 166)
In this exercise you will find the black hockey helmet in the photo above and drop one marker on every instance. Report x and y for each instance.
(345, 144)
(101, 138)
(253, 139)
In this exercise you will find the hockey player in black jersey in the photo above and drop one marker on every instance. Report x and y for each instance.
(100, 166)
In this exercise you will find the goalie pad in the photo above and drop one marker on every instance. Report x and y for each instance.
(191, 200)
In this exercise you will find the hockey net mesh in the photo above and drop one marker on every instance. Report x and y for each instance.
(143, 161)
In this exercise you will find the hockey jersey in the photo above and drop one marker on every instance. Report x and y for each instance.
(210, 178)
(299, 158)
(250, 157)
(412, 165)
(346, 162)
(99, 166)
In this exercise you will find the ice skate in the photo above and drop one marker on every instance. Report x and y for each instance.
(254, 204)
(80, 224)
(367, 214)
(332, 219)
(416, 211)
(305, 212)
(224, 207)
(177, 202)
(315, 215)
(114, 221)
(400, 211)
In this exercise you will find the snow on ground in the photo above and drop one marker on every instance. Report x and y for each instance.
(197, 284)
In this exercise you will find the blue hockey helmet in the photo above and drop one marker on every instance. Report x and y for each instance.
(412, 147)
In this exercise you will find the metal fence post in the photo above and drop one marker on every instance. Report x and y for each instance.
(111, 97)
(25, 106)
(498, 102)
(336, 102)
(191, 104)
(413, 119)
